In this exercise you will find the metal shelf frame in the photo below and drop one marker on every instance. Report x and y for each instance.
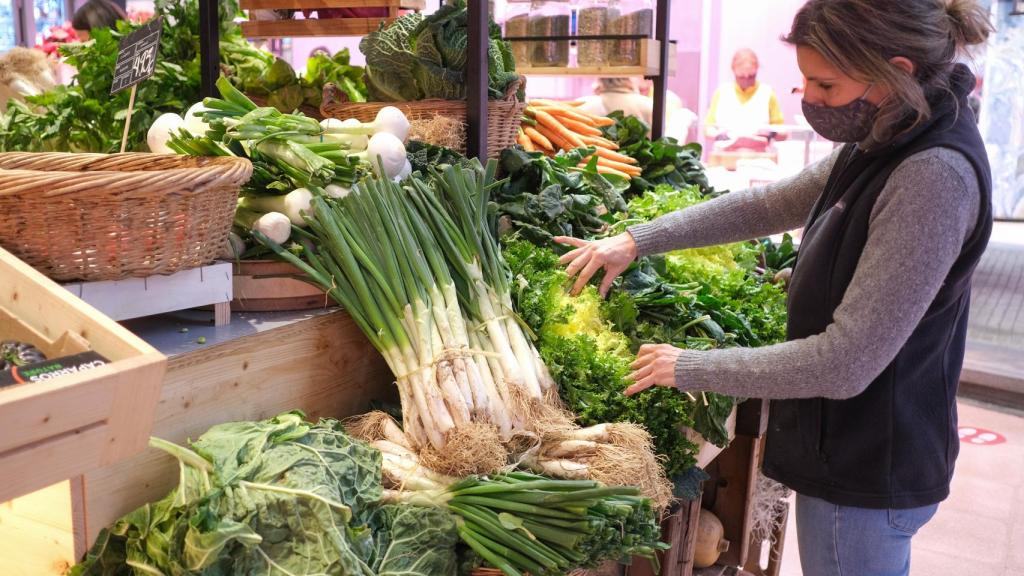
(476, 76)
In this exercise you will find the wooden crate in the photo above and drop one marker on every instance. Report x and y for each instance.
(270, 285)
(137, 297)
(257, 28)
(61, 428)
(322, 365)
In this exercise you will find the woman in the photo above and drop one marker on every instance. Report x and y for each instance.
(96, 14)
(863, 422)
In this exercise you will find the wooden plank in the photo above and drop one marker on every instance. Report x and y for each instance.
(56, 429)
(301, 28)
(736, 482)
(34, 537)
(42, 304)
(138, 297)
(323, 366)
(314, 4)
(42, 464)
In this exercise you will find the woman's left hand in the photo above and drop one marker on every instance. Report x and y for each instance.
(655, 366)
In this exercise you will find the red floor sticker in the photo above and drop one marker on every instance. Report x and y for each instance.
(980, 436)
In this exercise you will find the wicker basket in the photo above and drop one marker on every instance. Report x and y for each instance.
(503, 116)
(113, 216)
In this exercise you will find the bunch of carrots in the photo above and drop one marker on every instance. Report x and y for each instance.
(550, 126)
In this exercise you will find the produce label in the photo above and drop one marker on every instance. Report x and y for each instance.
(136, 56)
(50, 369)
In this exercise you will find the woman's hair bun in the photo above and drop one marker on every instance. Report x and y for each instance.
(969, 22)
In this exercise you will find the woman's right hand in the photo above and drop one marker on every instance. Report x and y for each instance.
(613, 254)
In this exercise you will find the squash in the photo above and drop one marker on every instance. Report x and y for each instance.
(710, 541)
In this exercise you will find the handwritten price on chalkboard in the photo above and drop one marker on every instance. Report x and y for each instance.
(136, 56)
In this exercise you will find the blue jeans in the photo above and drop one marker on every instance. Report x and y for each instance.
(847, 541)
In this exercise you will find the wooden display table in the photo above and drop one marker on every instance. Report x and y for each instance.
(254, 368)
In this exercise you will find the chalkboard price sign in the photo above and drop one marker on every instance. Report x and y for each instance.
(136, 56)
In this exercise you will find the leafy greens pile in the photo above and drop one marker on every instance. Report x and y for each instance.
(546, 197)
(420, 57)
(276, 496)
(701, 299)
(272, 79)
(84, 117)
(664, 161)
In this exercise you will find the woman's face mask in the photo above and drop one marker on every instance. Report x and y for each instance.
(847, 123)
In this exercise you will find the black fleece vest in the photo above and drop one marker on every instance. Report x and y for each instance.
(895, 444)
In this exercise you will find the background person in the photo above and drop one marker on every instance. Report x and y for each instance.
(744, 107)
(96, 14)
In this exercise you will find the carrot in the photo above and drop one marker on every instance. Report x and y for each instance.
(554, 103)
(549, 121)
(567, 113)
(599, 142)
(628, 169)
(609, 155)
(606, 170)
(525, 142)
(600, 121)
(579, 127)
(557, 142)
(538, 138)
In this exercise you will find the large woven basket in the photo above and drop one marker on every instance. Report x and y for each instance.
(113, 216)
(503, 116)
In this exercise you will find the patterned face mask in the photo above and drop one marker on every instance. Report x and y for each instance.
(847, 123)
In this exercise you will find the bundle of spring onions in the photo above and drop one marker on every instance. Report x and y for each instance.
(291, 154)
(419, 271)
(524, 523)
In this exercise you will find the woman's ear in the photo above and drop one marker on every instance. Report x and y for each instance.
(903, 63)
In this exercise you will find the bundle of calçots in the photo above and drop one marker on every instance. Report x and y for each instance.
(291, 154)
(289, 496)
(418, 269)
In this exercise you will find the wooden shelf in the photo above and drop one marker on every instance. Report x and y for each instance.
(323, 26)
(648, 66)
(314, 4)
(296, 28)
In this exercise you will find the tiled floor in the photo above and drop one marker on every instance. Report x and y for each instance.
(979, 530)
(997, 299)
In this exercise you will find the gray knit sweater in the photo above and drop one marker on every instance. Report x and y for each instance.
(919, 224)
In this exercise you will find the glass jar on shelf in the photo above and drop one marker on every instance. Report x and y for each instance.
(550, 18)
(517, 25)
(632, 18)
(592, 20)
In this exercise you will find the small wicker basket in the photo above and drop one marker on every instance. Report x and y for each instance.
(111, 216)
(503, 116)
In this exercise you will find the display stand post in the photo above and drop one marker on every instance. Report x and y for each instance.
(661, 33)
(476, 81)
(209, 48)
